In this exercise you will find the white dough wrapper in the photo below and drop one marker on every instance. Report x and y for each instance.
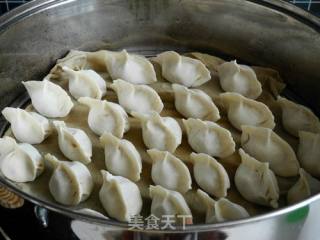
(309, 152)
(305, 187)
(210, 175)
(296, 117)
(85, 83)
(256, 182)
(194, 103)
(245, 111)
(221, 210)
(49, 99)
(106, 117)
(168, 202)
(19, 162)
(266, 146)
(74, 143)
(132, 68)
(182, 70)
(27, 127)
(239, 79)
(169, 171)
(121, 157)
(209, 137)
(137, 98)
(162, 133)
(120, 197)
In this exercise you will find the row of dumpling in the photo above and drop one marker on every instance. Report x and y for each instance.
(206, 168)
(240, 111)
(198, 143)
(71, 183)
(79, 69)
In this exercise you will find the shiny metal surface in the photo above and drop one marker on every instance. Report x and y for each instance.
(270, 33)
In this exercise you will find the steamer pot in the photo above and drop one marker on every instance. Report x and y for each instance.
(269, 33)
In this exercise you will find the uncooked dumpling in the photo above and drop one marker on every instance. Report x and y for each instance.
(183, 70)
(162, 133)
(49, 99)
(74, 143)
(296, 117)
(194, 103)
(120, 197)
(121, 157)
(19, 162)
(168, 202)
(239, 79)
(85, 83)
(137, 98)
(27, 127)
(70, 182)
(169, 171)
(130, 67)
(309, 152)
(256, 182)
(78, 60)
(305, 187)
(208, 137)
(210, 175)
(245, 111)
(266, 146)
(7, 145)
(106, 117)
(221, 210)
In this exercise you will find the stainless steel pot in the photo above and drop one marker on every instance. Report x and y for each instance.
(270, 33)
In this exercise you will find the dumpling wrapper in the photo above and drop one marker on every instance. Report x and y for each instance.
(182, 70)
(244, 111)
(210, 175)
(49, 99)
(256, 182)
(137, 98)
(209, 137)
(27, 127)
(19, 162)
(74, 143)
(70, 182)
(239, 79)
(266, 146)
(132, 68)
(121, 157)
(304, 188)
(169, 171)
(79, 60)
(106, 117)
(296, 117)
(168, 202)
(309, 152)
(162, 133)
(7, 145)
(221, 210)
(120, 197)
(85, 83)
(194, 103)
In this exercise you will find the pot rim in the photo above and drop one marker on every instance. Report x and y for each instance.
(36, 6)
